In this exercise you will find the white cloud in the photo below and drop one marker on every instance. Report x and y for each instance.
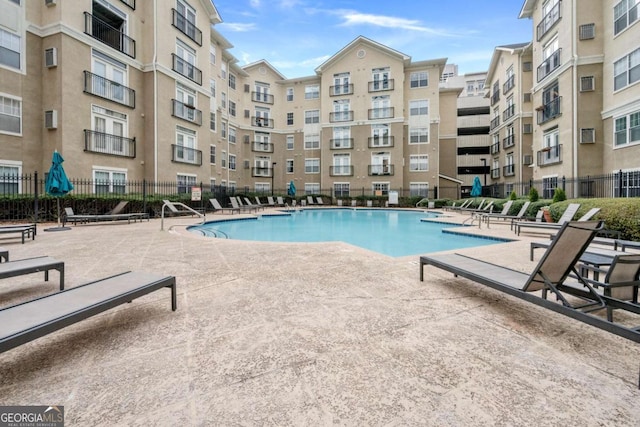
(238, 27)
(255, 3)
(354, 18)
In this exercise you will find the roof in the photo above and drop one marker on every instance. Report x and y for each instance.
(509, 48)
(527, 9)
(361, 39)
(264, 63)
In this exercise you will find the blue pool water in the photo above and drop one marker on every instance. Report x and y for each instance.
(391, 232)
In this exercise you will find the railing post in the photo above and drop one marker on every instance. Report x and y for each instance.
(35, 197)
(144, 195)
(620, 183)
(564, 183)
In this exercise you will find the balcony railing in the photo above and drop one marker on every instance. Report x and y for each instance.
(381, 141)
(341, 116)
(495, 97)
(262, 147)
(509, 84)
(259, 171)
(337, 90)
(108, 89)
(100, 30)
(549, 65)
(550, 155)
(509, 170)
(186, 27)
(509, 141)
(549, 20)
(190, 71)
(495, 173)
(508, 112)
(186, 112)
(265, 98)
(381, 113)
(550, 110)
(376, 170)
(262, 122)
(341, 170)
(495, 148)
(182, 154)
(130, 3)
(381, 85)
(113, 145)
(341, 143)
(495, 122)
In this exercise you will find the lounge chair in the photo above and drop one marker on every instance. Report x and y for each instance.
(25, 230)
(217, 207)
(463, 205)
(235, 203)
(271, 202)
(280, 201)
(33, 319)
(32, 265)
(259, 203)
(118, 208)
(577, 297)
(513, 218)
(567, 216)
(319, 201)
(247, 202)
(354, 203)
(310, 201)
(470, 208)
(4, 254)
(70, 216)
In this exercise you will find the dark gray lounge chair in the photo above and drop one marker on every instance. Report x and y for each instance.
(4, 254)
(32, 265)
(25, 322)
(578, 298)
(73, 218)
(25, 230)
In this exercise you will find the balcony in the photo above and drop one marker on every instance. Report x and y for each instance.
(509, 141)
(341, 143)
(113, 145)
(186, 112)
(381, 141)
(495, 96)
(261, 172)
(265, 98)
(509, 170)
(381, 85)
(550, 155)
(130, 3)
(108, 89)
(341, 170)
(109, 35)
(187, 28)
(381, 113)
(341, 116)
(495, 173)
(495, 122)
(190, 71)
(182, 154)
(338, 90)
(495, 148)
(262, 147)
(549, 111)
(549, 21)
(508, 112)
(509, 84)
(381, 170)
(549, 65)
(262, 122)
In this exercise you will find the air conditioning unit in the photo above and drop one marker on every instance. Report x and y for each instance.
(527, 159)
(527, 97)
(246, 164)
(51, 57)
(246, 139)
(247, 114)
(527, 128)
(587, 83)
(247, 89)
(587, 136)
(51, 119)
(50, 3)
(527, 66)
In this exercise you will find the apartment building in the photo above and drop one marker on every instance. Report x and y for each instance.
(509, 83)
(585, 92)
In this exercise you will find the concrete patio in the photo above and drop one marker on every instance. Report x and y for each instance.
(307, 334)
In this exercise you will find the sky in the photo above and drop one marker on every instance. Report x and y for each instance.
(296, 36)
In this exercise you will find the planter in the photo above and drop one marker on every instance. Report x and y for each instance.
(547, 216)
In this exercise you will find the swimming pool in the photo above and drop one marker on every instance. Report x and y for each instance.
(391, 232)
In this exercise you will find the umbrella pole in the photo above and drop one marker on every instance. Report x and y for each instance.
(58, 203)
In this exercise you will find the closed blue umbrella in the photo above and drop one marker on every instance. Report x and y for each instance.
(292, 189)
(57, 184)
(476, 189)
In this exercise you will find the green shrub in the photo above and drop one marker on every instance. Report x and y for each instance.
(559, 195)
(513, 196)
(533, 195)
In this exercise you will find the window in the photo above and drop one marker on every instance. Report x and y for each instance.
(380, 188)
(223, 130)
(627, 130)
(470, 87)
(341, 189)
(212, 54)
(311, 116)
(187, 102)
(380, 79)
(312, 92)
(10, 172)
(223, 70)
(232, 135)
(185, 182)
(380, 136)
(419, 189)
(341, 84)
(311, 141)
(380, 163)
(212, 154)
(419, 135)
(10, 115)
(290, 140)
(232, 162)
(212, 184)
(625, 13)
(419, 107)
(188, 55)
(626, 71)
(549, 185)
(223, 159)
(289, 166)
(212, 88)
(232, 81)
(341, 137)
(109, 181)
(289, 119)
(419, 79)
(9, 49)
(311, 165)
(418, 162)
(223, 100)
(232, 108)
(186, 145)
(212, 121)
(341, 164)
(109, 131)
(262, 116)
(341, 110)
(289, 94)
(312, 188)
(111, 71)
